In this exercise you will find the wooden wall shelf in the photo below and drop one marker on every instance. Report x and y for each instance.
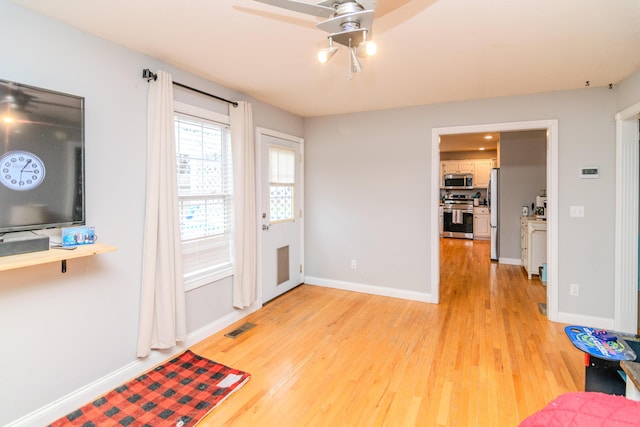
(53, 255)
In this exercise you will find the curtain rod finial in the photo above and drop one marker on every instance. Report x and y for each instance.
(147, 74)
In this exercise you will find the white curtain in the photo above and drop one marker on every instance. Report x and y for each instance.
(162, 310)
(244, 187)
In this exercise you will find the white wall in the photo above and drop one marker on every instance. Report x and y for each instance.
(60, 331)
(368, 195)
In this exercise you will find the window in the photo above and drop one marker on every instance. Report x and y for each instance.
(282, 166)
(203, 153)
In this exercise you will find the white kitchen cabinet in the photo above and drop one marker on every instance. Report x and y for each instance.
(441, 219)
(481, 223)
(456, 166)
(466, 166)
(533, 244)
(482, 171)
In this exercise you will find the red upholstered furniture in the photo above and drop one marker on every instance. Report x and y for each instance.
(586, 409)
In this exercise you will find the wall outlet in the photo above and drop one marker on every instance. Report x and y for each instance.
(574, 289)
(354, 264)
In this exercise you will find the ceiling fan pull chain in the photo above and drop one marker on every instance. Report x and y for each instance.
(350, 73)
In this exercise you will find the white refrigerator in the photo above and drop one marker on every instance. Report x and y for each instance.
(492, 200)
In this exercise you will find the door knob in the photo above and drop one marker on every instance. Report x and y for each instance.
(265, 227)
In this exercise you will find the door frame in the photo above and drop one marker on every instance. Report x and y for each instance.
(551, 127)
(260, 133)
(626, 220)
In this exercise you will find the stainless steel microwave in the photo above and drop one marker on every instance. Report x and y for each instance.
(458, 181)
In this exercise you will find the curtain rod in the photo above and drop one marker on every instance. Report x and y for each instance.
(149, 75)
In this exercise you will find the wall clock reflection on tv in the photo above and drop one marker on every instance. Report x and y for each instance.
(21, 170)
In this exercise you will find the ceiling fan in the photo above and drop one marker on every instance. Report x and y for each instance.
(348, 23)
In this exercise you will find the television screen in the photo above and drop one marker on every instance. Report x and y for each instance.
(41, 158)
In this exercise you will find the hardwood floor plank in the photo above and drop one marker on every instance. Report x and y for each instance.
(484, 356)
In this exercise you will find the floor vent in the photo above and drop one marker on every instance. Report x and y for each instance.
(240, 330)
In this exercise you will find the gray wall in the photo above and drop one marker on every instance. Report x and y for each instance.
(368, 191)
(628, 91)
(523, 176)
(63, 331)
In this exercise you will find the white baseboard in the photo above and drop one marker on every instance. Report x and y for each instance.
(582, 320)
(72, 401)
(510, 261)
(370, 289)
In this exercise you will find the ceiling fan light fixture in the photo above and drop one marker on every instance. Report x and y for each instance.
(325, 54)
(370, 47)
(348, 23)
(366, 47)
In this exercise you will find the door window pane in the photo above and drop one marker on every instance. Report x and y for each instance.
(282, 167)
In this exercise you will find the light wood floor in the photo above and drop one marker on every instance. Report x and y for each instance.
(484, 356)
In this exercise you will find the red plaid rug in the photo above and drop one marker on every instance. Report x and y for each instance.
(177, 393)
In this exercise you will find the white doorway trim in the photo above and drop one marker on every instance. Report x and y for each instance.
(260, 132)
(626, 220)
(551, 126)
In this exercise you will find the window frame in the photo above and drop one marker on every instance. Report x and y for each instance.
(226, 270)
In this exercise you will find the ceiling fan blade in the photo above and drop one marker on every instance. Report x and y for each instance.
(296, 6)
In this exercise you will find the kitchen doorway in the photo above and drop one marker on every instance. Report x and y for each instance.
(551, 128)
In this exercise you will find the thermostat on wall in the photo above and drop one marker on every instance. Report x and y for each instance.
(590, 172)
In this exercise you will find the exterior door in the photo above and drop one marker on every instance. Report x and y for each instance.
(280, 211)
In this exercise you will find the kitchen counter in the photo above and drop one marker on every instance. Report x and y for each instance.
(481, 223)
(533, 218)
(533, 243)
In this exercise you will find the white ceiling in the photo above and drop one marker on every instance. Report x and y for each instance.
(429, 51)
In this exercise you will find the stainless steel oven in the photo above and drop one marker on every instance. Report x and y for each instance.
(458, 220)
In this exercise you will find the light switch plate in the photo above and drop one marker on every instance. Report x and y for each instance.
(576, 211)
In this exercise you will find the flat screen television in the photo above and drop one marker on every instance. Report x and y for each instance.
(41, 158)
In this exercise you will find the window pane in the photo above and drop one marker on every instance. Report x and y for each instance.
(281, 202)
(204, 164)
(282, 164)
(203, 149)
(204, 217)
